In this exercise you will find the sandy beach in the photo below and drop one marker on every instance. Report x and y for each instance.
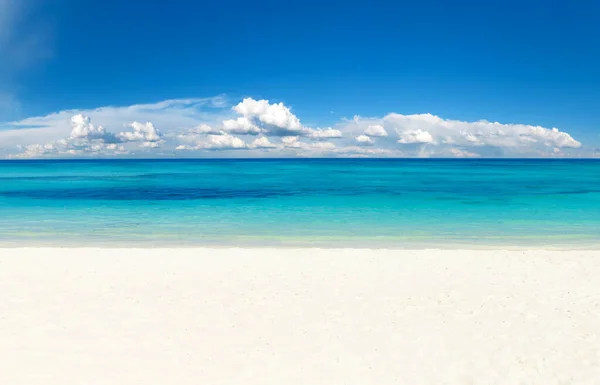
(306, 316)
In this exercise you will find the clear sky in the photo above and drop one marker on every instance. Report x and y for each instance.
(240, 78)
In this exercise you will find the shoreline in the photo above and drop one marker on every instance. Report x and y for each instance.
(470, 248)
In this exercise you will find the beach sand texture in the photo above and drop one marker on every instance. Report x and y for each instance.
(306, 316)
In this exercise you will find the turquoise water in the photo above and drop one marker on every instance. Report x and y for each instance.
(324, 203)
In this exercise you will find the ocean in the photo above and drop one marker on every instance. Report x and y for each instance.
(380, 203)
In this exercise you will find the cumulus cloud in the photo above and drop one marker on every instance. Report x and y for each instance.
(376, 130)
(364, 140)
(417, 136)
(241, 126)
(70, 147)
(87, 139)
(146, 133)
(217, 142)
(84, 129)
(169, 115)
(427, 128)
(327, 133)
(263, 128)
(276, 118)
(272, 119)
(323, 146)
(37, 150)
(429, 135)
(291, 142)
(205, 129)
(225, 142)
(262, 142)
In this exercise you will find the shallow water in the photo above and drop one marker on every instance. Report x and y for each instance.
(301, 202)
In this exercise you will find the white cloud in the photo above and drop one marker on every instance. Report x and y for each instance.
(376, 130)
(82, 128)
(203, 125)
(146, 133)
(366, 152)
(87, 139)
(35, 150)
(114, 146)
(323, 146)
(291, 142)
(217, 142)
(481, 133)
(457, 152)
(364, 140)
(327, 133)
(262, 142)
(276, 115)
(150, 144)
(241, 126)
(221, 142)
(71, 148)
(274, 119)
(417, 136)
(169, 115)
(205, 129)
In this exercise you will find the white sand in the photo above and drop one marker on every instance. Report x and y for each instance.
(286, 317)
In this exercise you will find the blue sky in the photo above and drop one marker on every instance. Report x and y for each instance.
(526, 63)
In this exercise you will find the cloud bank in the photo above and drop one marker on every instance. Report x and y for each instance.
(260, 128)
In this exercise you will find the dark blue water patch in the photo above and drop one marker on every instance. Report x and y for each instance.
(88, 177)
(179, 193)
(65, 178)
(442, 192)
(142, 194)
(567, 192)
